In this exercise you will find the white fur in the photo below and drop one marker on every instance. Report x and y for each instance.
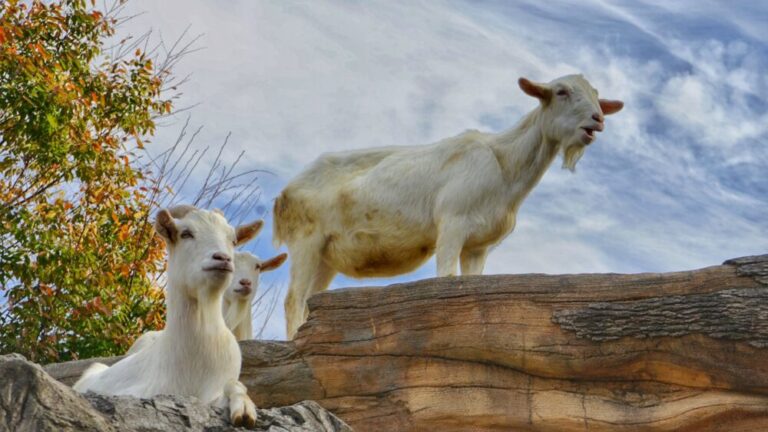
(383, 212)
(236, 304)
(196, 354)
(143, 341)
(237, 301)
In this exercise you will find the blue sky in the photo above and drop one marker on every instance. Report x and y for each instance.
(678, 180)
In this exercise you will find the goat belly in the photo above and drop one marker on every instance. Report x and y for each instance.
(371, 254)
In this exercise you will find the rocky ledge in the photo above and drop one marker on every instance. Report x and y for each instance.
(680, 351)
(31, 400)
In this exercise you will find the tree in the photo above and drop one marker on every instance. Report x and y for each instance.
(78, 258)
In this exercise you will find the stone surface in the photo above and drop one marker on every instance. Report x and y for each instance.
(677, 351)
(174, 413)
(728, 314)
(755, 266)
(30, 400)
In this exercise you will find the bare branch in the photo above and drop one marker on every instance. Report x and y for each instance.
(263, 308)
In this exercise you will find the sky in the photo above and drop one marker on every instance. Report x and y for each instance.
(678, 180)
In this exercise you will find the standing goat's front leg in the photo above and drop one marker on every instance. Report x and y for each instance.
(242, 410)
(473, 261)
(309, 275)
(450, 240)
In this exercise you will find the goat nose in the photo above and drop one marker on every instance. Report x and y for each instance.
(598, 117)
(245, 282)
(220, 256)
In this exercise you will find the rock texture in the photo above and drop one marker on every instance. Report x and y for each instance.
(681, 351)
(173, 413)
(727, 314)
(30, 400)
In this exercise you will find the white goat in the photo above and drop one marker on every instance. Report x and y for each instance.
(236, 304)
(196, 354)
(238, 298)
(383, 212)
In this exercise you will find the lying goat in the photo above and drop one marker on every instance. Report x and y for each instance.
(196, 354)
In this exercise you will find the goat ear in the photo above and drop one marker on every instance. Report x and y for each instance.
(540, 91)
(247, 232)
(165, 226)
(611, 106)
(272, 263)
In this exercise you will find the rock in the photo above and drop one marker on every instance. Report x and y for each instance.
(601, 352)
(31, 400)
(598, 352)
(176, 413)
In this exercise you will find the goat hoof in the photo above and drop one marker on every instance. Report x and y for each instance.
(249, 422)
(237, 420)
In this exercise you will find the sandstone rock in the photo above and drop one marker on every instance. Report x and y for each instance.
(30, 400)
(682, 351)
(601, 352)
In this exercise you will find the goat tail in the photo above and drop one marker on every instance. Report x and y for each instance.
(292, 217)
(279, 213)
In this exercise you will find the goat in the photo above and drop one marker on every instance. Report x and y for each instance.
(236, 305)
(196, 354)
(238, 298)
(384, 212)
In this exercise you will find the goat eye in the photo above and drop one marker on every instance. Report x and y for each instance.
(562, 92)
(187, 234)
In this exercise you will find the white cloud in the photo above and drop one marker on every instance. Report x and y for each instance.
(712, 102)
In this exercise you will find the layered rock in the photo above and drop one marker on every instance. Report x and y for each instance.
(683, 351)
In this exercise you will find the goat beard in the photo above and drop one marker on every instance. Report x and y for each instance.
(571, 154)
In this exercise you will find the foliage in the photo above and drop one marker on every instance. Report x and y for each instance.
(78, 259)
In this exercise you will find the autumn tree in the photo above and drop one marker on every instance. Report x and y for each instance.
(78, 258)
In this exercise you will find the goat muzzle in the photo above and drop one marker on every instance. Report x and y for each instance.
(221, 266)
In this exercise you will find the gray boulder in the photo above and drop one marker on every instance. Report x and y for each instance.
(31, 400)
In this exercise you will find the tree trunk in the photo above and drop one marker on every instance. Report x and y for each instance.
(682, 351)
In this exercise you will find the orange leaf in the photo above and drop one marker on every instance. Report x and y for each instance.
(99, 306)
(123, 233)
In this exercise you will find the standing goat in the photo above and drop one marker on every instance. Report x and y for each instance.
(237, 301)
(196, 354)
(383, 212)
